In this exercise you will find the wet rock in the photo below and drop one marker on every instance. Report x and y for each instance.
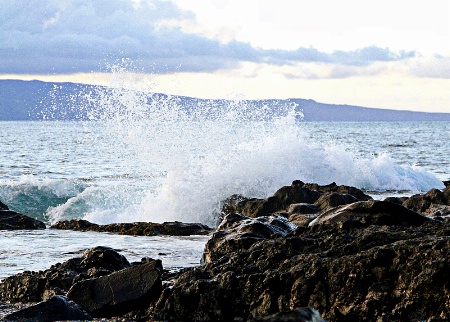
(350, 273)
(365, 213)
(10, 220)
(32, 287)
(120, 292)
(137, 228)
(57, 308)
(237, 232)
(333, 187)
(298, 198)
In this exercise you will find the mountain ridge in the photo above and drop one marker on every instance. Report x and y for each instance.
(26, 100)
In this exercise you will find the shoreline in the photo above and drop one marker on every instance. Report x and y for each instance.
(339, 216)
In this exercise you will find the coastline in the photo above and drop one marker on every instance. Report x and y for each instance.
(319, 225)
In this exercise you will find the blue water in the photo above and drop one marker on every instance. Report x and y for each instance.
(64, 170)
(133, 162)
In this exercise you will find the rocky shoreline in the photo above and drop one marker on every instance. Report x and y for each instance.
(307, 253)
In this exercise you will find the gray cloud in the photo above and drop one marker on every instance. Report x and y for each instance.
(59, 36)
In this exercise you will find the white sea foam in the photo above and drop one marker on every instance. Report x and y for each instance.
(199, 156)
(150, 157)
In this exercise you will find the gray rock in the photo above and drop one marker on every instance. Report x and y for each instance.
(57, 308)
(11, 220)
(120, 292)
(365, 213)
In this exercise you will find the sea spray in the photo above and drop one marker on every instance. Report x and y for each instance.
(178, 158)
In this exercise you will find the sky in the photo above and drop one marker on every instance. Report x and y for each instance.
(385, 54)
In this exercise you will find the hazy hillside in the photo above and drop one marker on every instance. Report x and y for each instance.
(26, 100)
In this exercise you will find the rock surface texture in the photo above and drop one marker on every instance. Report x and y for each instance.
(11, 220)
(137, 228)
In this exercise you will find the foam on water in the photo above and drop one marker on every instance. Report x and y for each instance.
(167, 160)
(199, 155)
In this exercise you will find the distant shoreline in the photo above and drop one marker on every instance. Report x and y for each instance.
(27, 100)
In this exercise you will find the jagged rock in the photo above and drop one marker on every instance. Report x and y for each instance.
(11, 220)
(120, 292)
(347, 273)
(57, 308)
(300, 194)
(333, 187)
(237, 232)
(137, 228)
(32, 287)
(434, 203)
(365, 213)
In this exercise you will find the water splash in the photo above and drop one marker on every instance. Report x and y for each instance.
(195, 153)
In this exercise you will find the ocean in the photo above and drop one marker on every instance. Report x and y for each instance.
(134, 161)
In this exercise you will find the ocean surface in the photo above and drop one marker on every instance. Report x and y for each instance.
(138, 162)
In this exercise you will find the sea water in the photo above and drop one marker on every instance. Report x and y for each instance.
(134, 161)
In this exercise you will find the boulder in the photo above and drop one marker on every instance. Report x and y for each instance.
(32, 287)
(175, 228)
(308, 198)
(120, 292)
(237, 232)
(330, 200)
(11, 220)
(57, 308)
(365, 213)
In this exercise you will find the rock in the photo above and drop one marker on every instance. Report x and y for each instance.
(10, 220)
(434, 203)
(299, 194)
(57, 308)
(120, 292)
(397, 200)
(137, 228)
(365, 213)
(349, 273)
(3, 206)
(32, 287)
(237, 232)
(333, 187)
(330, 200)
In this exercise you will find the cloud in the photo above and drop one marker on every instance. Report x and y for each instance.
(59, 37)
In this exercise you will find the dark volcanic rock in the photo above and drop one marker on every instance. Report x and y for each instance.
(10, 220)
(137, 228)
(365, 213)
(385, 270)
(31, 287)
(237, 232)
(120, 292)
(319, 198)
(3, 206)
(434, 203)
(57, 308)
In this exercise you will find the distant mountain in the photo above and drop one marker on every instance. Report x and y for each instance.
(31, 100)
